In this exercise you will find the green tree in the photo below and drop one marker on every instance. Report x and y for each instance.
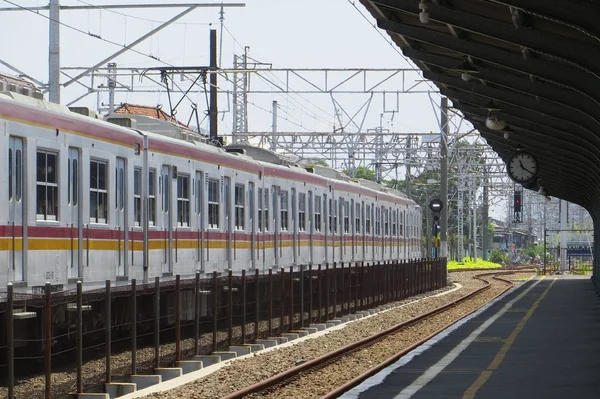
(362, 173)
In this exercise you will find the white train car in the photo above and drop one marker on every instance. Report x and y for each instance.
(74, 203)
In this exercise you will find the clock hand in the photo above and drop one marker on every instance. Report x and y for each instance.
(524, 168)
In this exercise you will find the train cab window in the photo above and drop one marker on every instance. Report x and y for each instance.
(317, 213)
(346, 210)
(213, 203)
(152, 197)
(301, 212)
(368, 220)
(357, 218)
(137, 197)
(183, 200)
(239, 198)
(47, 186)
(284, 211)
(98, 191)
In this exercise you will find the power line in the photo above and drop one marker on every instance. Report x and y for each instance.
(140, 18)
(95, 36)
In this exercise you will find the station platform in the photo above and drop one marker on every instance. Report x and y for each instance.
(540, 340)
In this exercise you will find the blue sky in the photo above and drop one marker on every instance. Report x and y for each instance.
(287, 34)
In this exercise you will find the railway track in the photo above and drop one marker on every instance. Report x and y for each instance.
(333, 373)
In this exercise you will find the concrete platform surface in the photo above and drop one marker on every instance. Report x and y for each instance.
(539, 341)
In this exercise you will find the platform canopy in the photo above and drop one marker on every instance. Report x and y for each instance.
(533, 64)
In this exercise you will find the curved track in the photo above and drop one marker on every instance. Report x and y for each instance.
(311, 372)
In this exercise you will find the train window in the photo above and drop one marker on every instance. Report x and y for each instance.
(301, 212)
(98, 192)
(152, 197)
(357, 218)
(335, 215)
(10, 173)
(260, 202)
(137, 196)
(47, 185)
(401, 224)
(368, 220)
(199, 193)
(213, 203)
(239, 204)
(346, 217)
(75, 177)
(330, 216)
(284, 211)
(394, 216)
(317, 213)
(183, 200)
(18, 174)
(386, 222)
(378, 221)
(266, 209)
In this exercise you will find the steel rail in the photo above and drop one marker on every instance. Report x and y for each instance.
(353, 347)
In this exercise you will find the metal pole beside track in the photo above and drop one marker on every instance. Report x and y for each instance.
(10, 345)
(215, 310)
(230, 308)
(107, 331)
(133, 316)
(197, 314)
(243, 306)
(270, 302)
(156, 322)
(177, 318)
(48, 340)
(257, 303)
(291, 322)
(79, 338)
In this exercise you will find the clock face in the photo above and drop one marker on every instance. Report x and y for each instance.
(522, 167)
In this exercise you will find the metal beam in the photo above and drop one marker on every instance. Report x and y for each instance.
(555, 115)
(126, 6)
(133, 44)
(558, 95)
(21, 73)
(571, 51)
(559, 74)
(580, 16)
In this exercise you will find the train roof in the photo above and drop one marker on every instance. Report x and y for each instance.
(247, 154)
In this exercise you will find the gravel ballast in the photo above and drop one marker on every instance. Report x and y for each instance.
(242, 373)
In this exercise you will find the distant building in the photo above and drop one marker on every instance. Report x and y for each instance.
(505, 236)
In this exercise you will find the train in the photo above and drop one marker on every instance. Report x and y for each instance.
(85, 198)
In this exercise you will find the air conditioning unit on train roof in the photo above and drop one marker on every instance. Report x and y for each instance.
(123, 121)
(85, 111)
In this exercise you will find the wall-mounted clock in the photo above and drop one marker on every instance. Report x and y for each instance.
(522, 167)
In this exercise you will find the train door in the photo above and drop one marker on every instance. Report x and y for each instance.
(16, 217)
(74, 193)
(251, 226)
(167, 218)
(121, 210)
(228, 234)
